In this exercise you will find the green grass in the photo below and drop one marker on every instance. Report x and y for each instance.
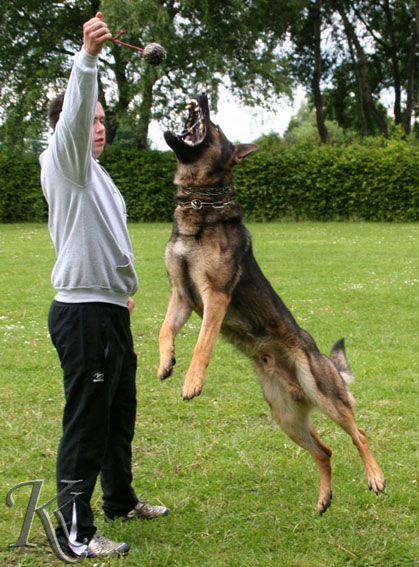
(241, 493)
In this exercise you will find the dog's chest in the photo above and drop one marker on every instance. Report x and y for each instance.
(196, 239)
(200, 264)
(180, 253)
(186, 254)
(181, 248)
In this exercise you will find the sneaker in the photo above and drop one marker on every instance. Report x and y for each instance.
(99, 546)
(145, 510)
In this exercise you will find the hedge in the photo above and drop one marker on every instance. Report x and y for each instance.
(21, 198)
(146, 181)
(376, 181)
(332, 183)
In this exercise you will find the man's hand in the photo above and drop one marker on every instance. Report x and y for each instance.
(96, 33)
(131, 305)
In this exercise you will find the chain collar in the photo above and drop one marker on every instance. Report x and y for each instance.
(198, 204)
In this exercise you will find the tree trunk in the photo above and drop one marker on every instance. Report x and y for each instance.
(411, 64)
(119, 68)
(394, 63)
(363, 68)
(359, 92)
(150, 77)
(315, 84)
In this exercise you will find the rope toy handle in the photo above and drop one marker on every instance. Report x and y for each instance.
(154, 53)
(115, 40)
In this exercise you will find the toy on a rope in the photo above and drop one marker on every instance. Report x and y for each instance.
(154, 53)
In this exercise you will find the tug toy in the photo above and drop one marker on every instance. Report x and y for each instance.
(154, 53)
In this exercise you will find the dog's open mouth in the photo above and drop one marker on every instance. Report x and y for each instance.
(195, 129)
(192, 141)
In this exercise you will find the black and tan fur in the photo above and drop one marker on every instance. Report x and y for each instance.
(213, 271)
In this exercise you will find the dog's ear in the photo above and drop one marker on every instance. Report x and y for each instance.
(243, 150)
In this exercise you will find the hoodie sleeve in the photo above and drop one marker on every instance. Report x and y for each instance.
(71, 144)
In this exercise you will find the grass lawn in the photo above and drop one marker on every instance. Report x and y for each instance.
(241, 493)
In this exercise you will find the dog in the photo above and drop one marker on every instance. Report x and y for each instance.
(213, 271)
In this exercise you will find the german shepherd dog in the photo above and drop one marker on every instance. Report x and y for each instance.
(212, 270)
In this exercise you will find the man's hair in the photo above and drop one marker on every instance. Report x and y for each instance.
(54, 109)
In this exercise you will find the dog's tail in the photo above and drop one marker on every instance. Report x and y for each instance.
(338, 357)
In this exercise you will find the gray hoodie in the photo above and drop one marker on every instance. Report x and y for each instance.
(87, 214)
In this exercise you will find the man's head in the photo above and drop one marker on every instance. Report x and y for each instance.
(99, 130)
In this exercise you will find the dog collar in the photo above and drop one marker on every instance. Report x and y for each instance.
(207, 191)
(198, 204)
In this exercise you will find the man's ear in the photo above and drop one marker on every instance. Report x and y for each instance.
(243, 150)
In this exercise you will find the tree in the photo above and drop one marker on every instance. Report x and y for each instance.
(208, 41)
(310, 62)
(360, 64)
(315, 16)
(412, 71)
(34, 56)
(393, 25)
(380, 54)
(346, 53)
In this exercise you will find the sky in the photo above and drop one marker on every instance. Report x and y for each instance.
(238, 122)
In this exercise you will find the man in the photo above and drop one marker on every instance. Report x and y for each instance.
(89, 319)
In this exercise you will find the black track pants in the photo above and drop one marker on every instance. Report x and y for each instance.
(95, 346)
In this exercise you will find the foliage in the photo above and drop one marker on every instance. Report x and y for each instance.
(369, 181)
(361, 50)
(376, 180)
(207, 43)
(38, 39)
(21, 198)
(146, 181)
(302, 127)
(241, 494)
(345, 53)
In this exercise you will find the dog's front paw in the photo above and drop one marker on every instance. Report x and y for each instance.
(191, 389)
(164, 370)
(376, 480)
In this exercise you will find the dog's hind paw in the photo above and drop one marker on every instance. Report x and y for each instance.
(324, 502)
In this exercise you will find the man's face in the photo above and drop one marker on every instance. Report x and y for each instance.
(99, 132)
